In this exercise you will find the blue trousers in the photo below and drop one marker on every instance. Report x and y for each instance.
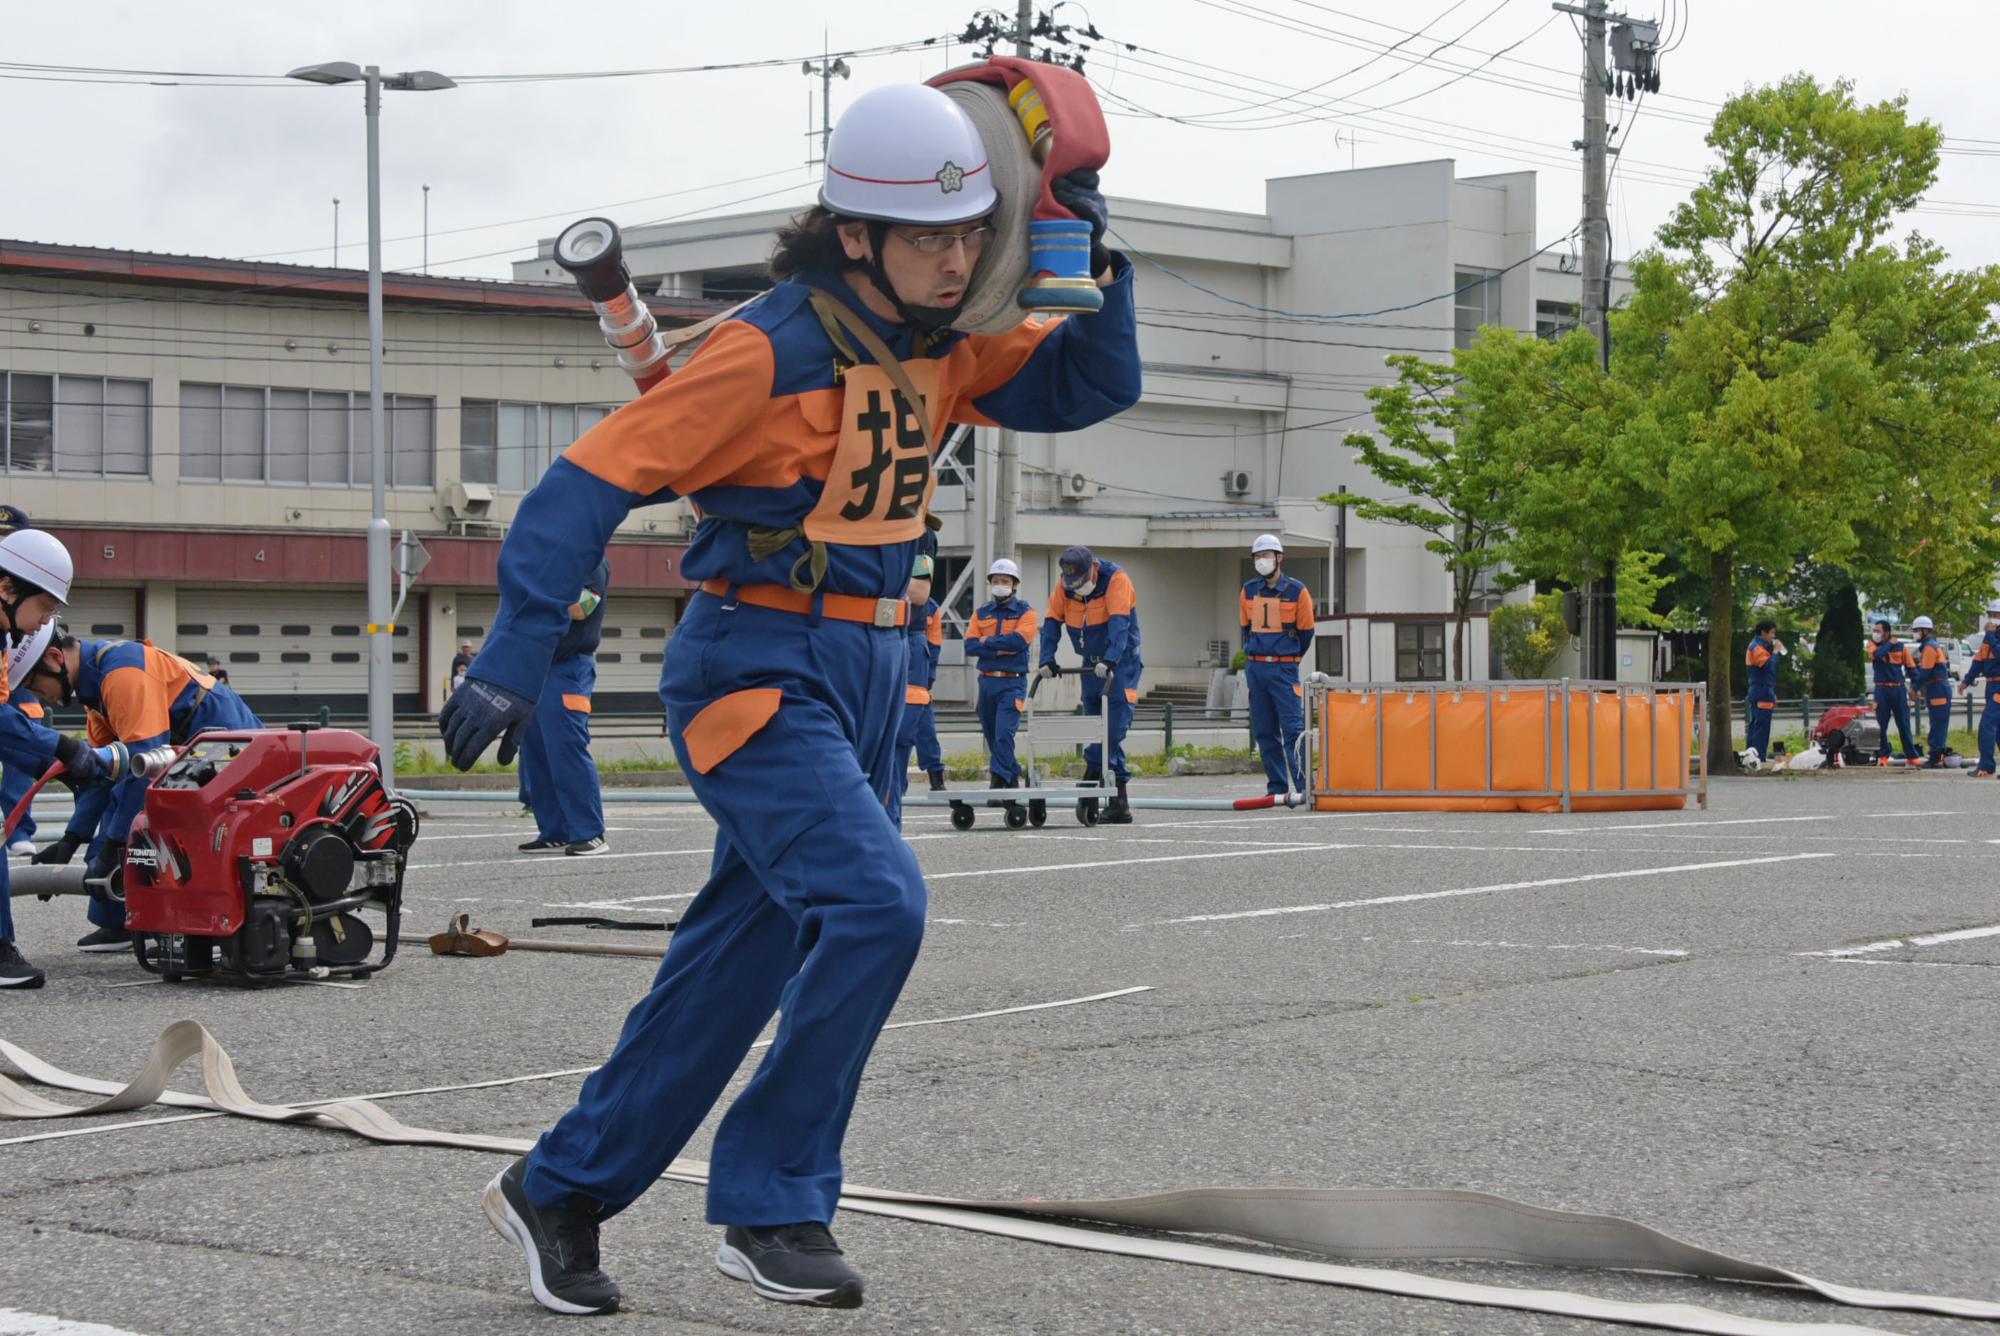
(1894, 702)
(813, 910)
(1758, 708)
(1277, 721)
(556, 770)
(1123, 694)
(1000, 705)
(917, 733)
(6, 905)
(1940, 720)
(15, 780)
(1989, 733)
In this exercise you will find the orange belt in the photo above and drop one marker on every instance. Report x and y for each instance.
(840, 607)
(984, 673)
(1274, 658)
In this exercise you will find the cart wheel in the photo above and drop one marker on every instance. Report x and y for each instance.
(961, 817)
(1017, 816)
(1086, 811)
(1038, 814)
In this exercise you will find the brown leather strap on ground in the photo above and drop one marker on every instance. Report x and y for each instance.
(1362, 1223)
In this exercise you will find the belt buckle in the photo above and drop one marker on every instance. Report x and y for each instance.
(885, 611)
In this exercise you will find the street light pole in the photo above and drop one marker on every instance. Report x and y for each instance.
(381, 633)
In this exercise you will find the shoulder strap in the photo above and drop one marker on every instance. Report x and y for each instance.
(828, 308)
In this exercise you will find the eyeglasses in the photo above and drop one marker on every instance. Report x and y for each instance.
(937, 243)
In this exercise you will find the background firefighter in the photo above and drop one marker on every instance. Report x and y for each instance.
(1095, 600)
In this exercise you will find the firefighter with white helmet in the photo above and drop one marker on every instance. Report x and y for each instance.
(804, 430)
(1986, 664)
(1930, 685)
(35, 575)
(997, 642)
(1276, 613)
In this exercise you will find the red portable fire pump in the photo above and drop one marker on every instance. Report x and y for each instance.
(260, 851)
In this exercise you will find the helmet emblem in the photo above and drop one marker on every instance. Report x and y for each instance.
(951, 178)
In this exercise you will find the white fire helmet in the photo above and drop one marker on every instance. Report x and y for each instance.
(24, 652)
(907, 154)
(1004, 566)
(1921, 624)
(1267, 542)
(38, 557)
(1993, 608)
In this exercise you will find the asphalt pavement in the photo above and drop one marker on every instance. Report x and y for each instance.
(1768, 1028)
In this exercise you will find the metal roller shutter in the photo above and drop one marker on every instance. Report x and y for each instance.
(103, 614)
(289, 642)
(636, 630)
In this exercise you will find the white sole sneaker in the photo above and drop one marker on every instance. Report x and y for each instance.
(510, 1226)
(734, 1264)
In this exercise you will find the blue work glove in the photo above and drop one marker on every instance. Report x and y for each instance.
(88, 767)
(478, 712)
(1103, 670)
(1078, 193)
(61, 851)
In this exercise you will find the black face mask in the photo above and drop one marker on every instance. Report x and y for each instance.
(924, 319)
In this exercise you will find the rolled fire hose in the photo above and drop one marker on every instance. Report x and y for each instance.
(1351, 1223)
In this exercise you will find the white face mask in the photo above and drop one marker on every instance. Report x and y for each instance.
(1881, 636)
(1265, 565)
(1000, 590)
(1083, 590)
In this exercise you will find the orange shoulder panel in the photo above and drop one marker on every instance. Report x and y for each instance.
(135, 705)
(934, 629)
(1120, 597)
(1305, 607)
(677, 436)
(1756, 656)
(98, 730)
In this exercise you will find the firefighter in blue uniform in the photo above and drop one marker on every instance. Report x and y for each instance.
(35, 574)
(918, 730)
(1095, 600)
(1892, 661)
(999, 641)
(1761, 701)
(558, 775)
(16, 780)
(143, 697)
(804, 430)
(1276, 613)
(1986, 664)
(1930, 683)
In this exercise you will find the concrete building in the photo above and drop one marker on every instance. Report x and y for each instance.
(1250, 386)
(197, 431)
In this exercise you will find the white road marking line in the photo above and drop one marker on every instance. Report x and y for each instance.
(556, 860)
(1131, 862)
(1922, 939)
(98, 1129)
(1692, 821)
(1483, 890)
(14, 1322)
(1917, 964)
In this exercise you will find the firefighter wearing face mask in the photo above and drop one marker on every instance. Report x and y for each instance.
(998, 642)
(804, 430)
(145, 698)
(1930, 684)
(1892, 662)
(1276, 613)
(1986, 664)
(918, 731)
(1095, 600)
(35, 573)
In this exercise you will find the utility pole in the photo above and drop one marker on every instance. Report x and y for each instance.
(427, 229)
(1636, 43)
(827, 70)
(336, 231)
(1007, 457)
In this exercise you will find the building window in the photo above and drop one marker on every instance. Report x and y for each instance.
(1420, 651)
(85, 425)
(1555, 319)
(1477, 303)
(508, 445)
(237, 433)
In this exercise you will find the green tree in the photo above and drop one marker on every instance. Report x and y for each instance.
(1639, 588)
(1440, 473)
(1530, 635)
(1837, 650)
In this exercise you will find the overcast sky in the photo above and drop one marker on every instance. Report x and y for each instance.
(248, 171)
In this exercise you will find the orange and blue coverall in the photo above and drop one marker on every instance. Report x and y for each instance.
(1277, 619)
(1103, 627)
(1761, 701)
(1986, 664)
(16, 780)
(1891, 659)
(557, 772)
(138, 694)
(1931, 680)
(784, 687)
(998, 641)
(918, 731)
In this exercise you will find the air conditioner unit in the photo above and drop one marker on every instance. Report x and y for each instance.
(467, 500)
(1236, 482)
(1075, 487)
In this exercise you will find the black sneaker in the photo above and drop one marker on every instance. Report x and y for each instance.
(937, 781)
(793, 1264)
(15, 971)
(585, 848)
(103, 941)
(561, 1244)
(542, 847)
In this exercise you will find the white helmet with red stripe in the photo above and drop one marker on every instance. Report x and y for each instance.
(37, 557)
(25, 652)
(907, 154)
